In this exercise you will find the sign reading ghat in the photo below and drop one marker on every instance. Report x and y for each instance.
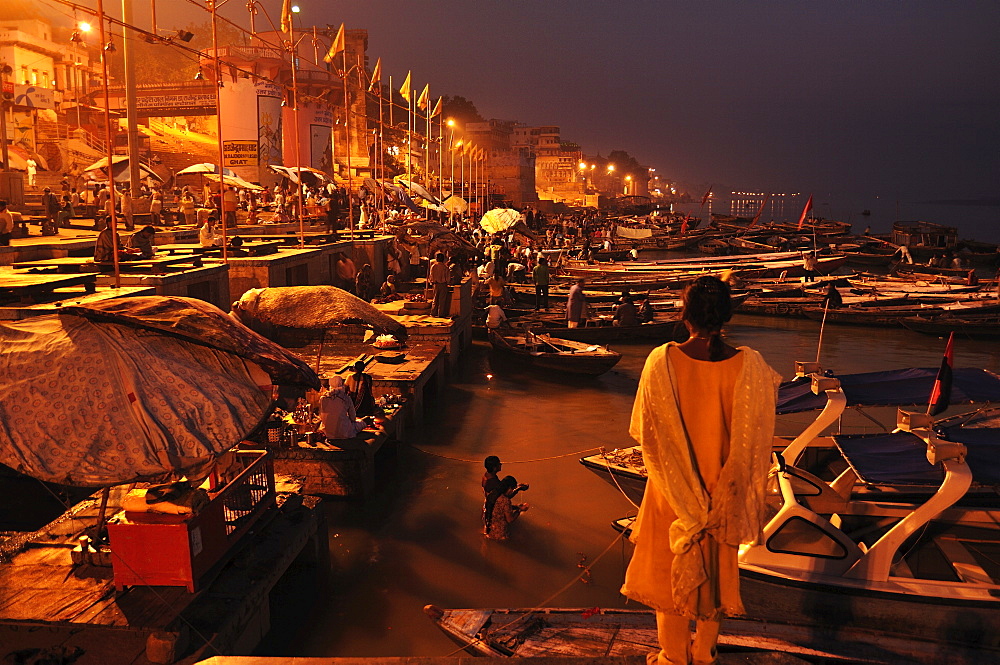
(239, 153)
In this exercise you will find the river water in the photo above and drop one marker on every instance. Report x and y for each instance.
(419, 540)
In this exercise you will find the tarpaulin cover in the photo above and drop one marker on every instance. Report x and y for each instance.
(893, 388)
(97, 400)
(901, 458)
(626, 232)
(314, 307)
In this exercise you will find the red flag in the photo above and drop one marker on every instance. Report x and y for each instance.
(756, 218)
(805, 211)
(941, 393)
(684, 225)
(704, 199)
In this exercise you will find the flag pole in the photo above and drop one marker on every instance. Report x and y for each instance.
(218, 126)
(293, 51)
(347, 144)
(112, 217)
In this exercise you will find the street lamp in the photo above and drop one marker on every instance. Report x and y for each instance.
(451, 149)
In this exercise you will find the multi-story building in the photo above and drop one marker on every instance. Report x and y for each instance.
(558, 175)
(509, 168)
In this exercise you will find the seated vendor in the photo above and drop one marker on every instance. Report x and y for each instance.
(388, 291)
(338, 418)
(104, 249)
(142, 242)
(359, 387)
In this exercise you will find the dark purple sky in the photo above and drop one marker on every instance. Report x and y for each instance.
(899, 98)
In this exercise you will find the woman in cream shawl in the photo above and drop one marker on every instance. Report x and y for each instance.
(704, 416)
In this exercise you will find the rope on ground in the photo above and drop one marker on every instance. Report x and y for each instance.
(584, 573)
(522, 461)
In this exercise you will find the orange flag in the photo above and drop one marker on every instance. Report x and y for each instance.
(337, 46)
(805, 211)
(376, 77)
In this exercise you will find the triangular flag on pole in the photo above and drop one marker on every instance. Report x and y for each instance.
(941, 393)
(805, 211)
(424, 94)
(704, 199)
(404, 90)
(437, 108)
(337, 46)
(375, 86)
(756, 218)
(286, 16)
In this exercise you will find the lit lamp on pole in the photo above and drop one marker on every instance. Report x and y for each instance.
(451, 149)
(611, 171)
(628, 184)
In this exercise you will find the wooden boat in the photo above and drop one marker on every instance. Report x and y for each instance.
(986, 327)
(551, 353)
(891, 315)
(601, 633)
(664, 327)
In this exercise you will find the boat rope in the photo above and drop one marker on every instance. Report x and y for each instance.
(822, 327)
(604, 456)
(583, 574)
(522, 461)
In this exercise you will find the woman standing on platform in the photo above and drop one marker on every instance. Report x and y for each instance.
(704, 416)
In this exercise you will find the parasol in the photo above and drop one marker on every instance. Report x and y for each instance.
(441, 238)
(499, 219)
(235, 181)
(133, 388)
(418, 189)
(455, 204)
(120, 168)
(310, 176)
(314, 307)
(205, 168)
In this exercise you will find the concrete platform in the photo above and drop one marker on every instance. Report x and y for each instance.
(209, 283)
(760, 658)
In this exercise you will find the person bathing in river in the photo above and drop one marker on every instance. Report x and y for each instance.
(504, 510)
(704, 416)
(491, 485)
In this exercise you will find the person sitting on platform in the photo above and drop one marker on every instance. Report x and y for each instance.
(142, 242)
(104, 249)
(388, 291)
(338, 419)
(207, 235)
(359, 387)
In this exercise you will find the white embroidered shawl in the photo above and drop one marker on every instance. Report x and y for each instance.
(734, 513)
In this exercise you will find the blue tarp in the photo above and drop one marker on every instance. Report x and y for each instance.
(893, 388)
(901, 458)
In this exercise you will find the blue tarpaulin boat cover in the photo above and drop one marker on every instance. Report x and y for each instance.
(901, 458)
(893, 388)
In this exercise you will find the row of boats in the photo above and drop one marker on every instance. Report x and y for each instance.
(879, 548)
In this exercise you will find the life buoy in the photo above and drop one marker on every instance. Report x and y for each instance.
(782, 308)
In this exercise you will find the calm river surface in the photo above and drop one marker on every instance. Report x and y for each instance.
(419, 540)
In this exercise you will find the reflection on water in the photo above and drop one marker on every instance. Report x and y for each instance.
(419, 540)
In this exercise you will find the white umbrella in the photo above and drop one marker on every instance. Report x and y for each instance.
(499, 219)
(292, 172)
(203, 168)
(234, 181)
(120, 167)
(456, 204)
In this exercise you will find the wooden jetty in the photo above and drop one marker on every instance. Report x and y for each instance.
(51, 606)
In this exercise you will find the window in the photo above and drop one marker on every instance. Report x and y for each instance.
(797, 536)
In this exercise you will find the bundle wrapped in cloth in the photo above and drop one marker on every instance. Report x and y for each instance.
(172, 499)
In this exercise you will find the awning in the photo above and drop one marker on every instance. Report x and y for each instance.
(904, 387)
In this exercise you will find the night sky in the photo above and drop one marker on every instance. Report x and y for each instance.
(901, 98)
(898, 100)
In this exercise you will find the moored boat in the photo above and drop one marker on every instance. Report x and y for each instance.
(551, 353)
